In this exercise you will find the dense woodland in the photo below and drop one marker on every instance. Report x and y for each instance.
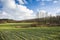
(50, 21)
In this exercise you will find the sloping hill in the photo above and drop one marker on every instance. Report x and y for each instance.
(42, 21)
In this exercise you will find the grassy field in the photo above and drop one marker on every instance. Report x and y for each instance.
(8, 32)
(14, 25)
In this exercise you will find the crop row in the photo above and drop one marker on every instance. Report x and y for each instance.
(30, 34)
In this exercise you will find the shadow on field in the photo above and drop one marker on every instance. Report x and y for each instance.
(0, 37)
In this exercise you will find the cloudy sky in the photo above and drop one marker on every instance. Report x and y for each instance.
(27, 9)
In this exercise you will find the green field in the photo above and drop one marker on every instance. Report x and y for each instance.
(9, 32)
(14, 25)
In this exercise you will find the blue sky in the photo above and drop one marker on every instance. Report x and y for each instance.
(42, 4)
(51, 6)
(27, 9)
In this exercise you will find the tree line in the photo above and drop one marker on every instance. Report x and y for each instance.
(47, 21)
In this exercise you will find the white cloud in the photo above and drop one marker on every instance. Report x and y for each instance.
(47, 13)
(25, 2)
(21, 1)
(42, 3)
(43, 11)
(9, 4)
(57, 10)
(4, 15)
(55, 1)
(17, 12)
(47, 0)
(44, 0)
